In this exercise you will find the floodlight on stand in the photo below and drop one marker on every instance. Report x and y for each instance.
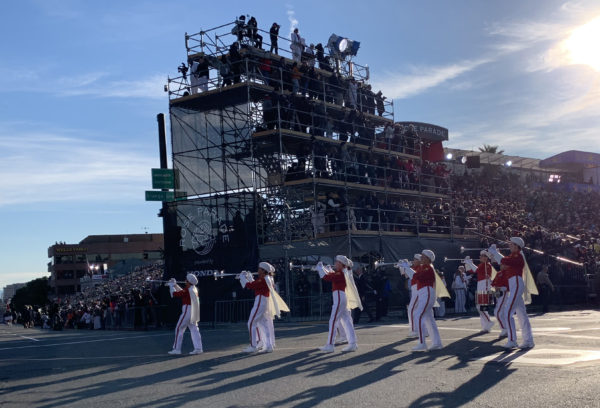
(463, 159)
(449, 156)
(508, 163)
(343, 44)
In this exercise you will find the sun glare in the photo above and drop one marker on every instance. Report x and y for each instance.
(584, 44)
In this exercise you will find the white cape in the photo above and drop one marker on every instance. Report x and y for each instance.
(352, 297)
(276, 303)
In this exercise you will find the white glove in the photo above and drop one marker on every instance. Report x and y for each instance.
(243, 279)
(495, 254)
(469, 265)
(249, 276)
(321, 269)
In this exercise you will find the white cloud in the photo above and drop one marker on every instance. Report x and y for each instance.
(94, 84)
(420, 79)
(291, 14)
(38, 166)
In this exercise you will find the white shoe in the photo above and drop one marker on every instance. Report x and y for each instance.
(175, 352)
(502, 334)
(350, 347)
(327, 349)
(510, 345)
(420, 347)
(526, 345)
(196, 351)
(412, 335)
(250, 349)
(436, 347)
(267, 350)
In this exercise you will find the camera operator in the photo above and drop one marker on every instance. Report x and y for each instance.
(274, 33)
(183, 69)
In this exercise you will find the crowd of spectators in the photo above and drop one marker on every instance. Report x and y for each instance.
(552, 223)
(127, 301)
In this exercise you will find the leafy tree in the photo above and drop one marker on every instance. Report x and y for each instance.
(34, 293)
(490, 149)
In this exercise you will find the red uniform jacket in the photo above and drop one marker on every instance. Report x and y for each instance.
(515, 263)
(337, 279)
(484, 271)
(425, 276)
(415, 279)
(259, 287)
(184, 294)
(501, 280)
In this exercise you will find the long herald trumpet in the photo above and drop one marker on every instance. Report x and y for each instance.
(303, 267)
(222, 274)
(446, 259)
(160, 281)
(380, 264)
(463, 249)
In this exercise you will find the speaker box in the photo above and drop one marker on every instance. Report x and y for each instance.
(472, 162)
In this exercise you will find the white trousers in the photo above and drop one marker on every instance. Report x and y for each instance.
(257, 322)
(340, 315)
(411, 308)
(499, 309)
(183, 324)
(459, 300)
(516, 305)
(268, 336)
(424, 315)
(484, 317)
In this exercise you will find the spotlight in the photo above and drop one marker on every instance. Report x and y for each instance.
(449, 156)
(463, 159)
(341, 47)
(508, 163)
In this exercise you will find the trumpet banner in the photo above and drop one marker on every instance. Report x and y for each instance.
(440, 289)
(276, 303)
(353, 299)
(529, 281)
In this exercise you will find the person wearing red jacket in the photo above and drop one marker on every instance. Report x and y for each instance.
(410, 273)
(513, 266)
(484, 284)
(423, 314)
(339, 310)
(190, 313)
(257, 322)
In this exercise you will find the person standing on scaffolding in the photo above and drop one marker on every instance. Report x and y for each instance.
(274, 33)
(296, 46)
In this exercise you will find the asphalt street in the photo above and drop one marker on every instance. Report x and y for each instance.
(81, 368)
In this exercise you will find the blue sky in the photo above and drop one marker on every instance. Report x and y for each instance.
(81, 84)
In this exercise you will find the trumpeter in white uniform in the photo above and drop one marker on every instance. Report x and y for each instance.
(520, 286)
(345, 298)
(426, 292)
(190, 313)
(274, 309)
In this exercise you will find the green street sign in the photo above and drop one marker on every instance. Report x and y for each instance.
(160, 196)
(163, 178)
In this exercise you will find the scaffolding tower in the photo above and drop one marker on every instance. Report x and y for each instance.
(291, 158)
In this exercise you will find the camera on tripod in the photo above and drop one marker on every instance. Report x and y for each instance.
(183, 69)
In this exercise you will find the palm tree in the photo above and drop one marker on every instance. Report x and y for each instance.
(490, 149)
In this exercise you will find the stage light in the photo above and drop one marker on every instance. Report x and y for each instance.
(341, 47)
(449, 156)
(509, 163)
